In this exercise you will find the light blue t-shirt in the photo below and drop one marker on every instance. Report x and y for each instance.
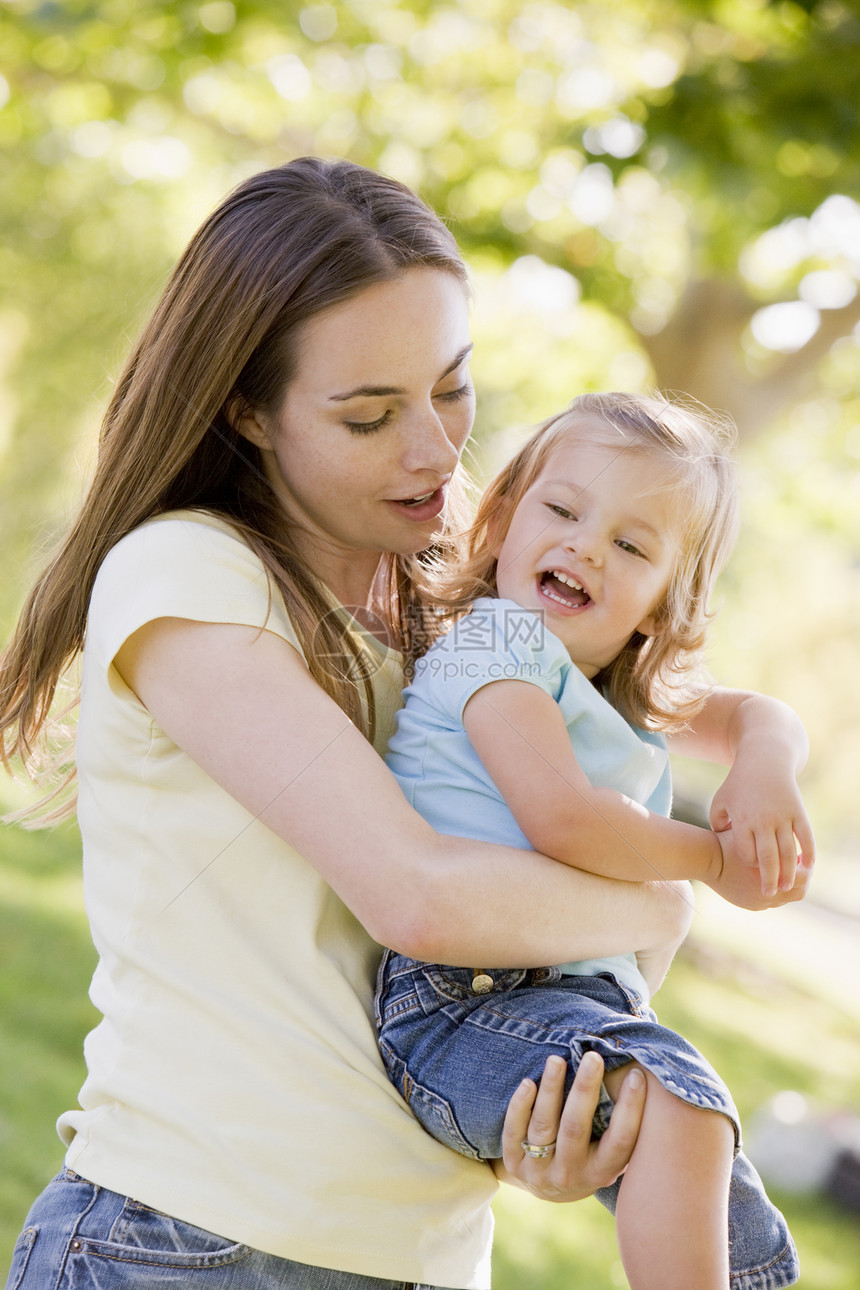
(445, 780)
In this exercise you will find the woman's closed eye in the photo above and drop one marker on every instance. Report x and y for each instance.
(454, 396)
(368, 427)
(447, 396)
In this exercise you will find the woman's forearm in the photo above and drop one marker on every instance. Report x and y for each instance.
(289, 755)
(500, 906)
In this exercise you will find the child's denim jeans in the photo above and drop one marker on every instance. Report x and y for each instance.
(457, 1057)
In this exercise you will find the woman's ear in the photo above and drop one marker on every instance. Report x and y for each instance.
(247, 422)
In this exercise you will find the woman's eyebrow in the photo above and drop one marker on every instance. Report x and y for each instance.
(463, 354)
(377, 391)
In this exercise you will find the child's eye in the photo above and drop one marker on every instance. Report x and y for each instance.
(561, 512)
(368, 427)
(629, 547)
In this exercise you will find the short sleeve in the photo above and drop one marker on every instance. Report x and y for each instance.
(497, 641)
(182, 565)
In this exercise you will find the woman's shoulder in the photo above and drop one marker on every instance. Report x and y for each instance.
(175, 529)
(184, 547)
(185, 564)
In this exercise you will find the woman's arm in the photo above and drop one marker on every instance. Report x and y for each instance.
(243, 705)
(520, 735)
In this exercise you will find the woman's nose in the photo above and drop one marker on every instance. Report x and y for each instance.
(427, 446)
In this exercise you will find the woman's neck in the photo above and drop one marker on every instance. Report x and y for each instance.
(350, 575)
(356, 584)
(363, 592)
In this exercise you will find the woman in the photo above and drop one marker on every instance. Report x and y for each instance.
(283, 442)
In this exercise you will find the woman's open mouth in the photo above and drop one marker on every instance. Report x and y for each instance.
(425, 506)
(563, 590)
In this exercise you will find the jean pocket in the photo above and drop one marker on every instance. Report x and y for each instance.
(458, 985)
(21, 1257)
(432, 1111)
(146, 1236)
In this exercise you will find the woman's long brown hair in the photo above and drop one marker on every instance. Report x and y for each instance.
(284, 245)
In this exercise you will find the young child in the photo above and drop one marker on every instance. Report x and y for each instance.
(540, 720)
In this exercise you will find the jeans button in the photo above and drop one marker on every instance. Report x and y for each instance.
(482, 983)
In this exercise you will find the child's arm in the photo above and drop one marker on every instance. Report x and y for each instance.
(520, 735)
(764, 742)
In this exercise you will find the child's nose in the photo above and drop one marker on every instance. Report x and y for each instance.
(584, 542)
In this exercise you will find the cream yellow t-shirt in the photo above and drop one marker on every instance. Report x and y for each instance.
(234, 1080)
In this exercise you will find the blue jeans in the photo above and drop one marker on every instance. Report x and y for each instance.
(82, 1237)
(457, 1057)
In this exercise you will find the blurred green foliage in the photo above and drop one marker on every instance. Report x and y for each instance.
(649, 192)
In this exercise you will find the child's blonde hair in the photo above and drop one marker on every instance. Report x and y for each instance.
(656, 681)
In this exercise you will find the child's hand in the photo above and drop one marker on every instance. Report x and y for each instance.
(761, 804)
(741, 883)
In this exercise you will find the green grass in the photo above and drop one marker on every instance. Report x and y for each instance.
(46, 959)
(762, 1034)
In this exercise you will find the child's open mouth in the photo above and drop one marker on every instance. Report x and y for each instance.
(563, 589)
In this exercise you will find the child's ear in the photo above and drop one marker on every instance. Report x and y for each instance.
(654, 623)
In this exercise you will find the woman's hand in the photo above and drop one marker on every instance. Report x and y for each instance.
(542, 1116)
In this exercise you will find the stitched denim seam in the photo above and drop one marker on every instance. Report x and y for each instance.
(162, 1258)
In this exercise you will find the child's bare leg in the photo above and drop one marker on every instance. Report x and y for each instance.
(672, 1215)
